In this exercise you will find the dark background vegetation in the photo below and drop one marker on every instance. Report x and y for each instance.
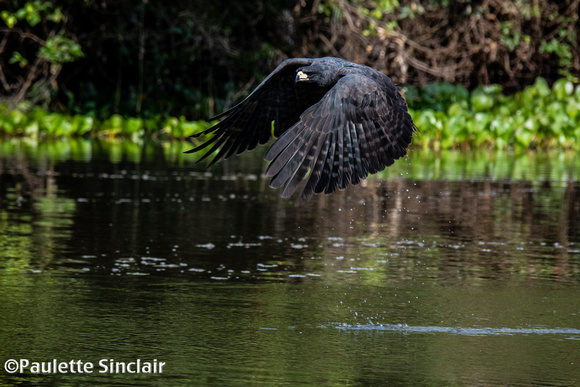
(195, 58)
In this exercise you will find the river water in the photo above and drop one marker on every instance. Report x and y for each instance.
(457, 268)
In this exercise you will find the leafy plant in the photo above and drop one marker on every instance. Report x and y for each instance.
(538, 116)
(49, 44)
(60, 49)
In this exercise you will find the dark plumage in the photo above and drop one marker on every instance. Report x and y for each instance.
(335, 122)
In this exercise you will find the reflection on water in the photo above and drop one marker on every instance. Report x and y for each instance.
(456, 268)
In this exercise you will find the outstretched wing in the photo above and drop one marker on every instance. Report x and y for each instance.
(359, 127)
(249, 123)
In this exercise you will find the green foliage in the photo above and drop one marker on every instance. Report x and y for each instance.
(36, 42)
(538, 116)
(18, 58)
(446, 115)
(38, 123)
(375, 11)
(32, 12)
(562, 49)
(194, 58)
(511, 37)
(60, 49)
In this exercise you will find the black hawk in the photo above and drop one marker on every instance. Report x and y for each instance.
(335, 122)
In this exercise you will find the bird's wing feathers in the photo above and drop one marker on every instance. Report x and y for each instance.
(359, 127)
(248, 123)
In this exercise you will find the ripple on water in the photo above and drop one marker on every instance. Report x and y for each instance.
(570, 333)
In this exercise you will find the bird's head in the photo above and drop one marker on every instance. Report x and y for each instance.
(319, 73)
(305, 74)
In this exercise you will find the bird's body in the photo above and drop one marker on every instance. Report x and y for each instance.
(335, 122)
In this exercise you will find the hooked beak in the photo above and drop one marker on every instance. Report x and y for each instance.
(301, 76)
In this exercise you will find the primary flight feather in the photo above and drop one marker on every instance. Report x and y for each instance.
(335, 122)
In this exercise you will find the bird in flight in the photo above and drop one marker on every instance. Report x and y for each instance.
(335, 122)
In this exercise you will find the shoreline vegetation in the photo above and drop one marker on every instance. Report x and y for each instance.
(488, 74)
(448, 116)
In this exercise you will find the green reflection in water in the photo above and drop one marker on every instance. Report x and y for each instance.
(212, 332)
(465, 220)
(418, 164)
(29, 240)
(125, 251)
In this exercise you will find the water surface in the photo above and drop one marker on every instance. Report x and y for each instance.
(458, 268)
